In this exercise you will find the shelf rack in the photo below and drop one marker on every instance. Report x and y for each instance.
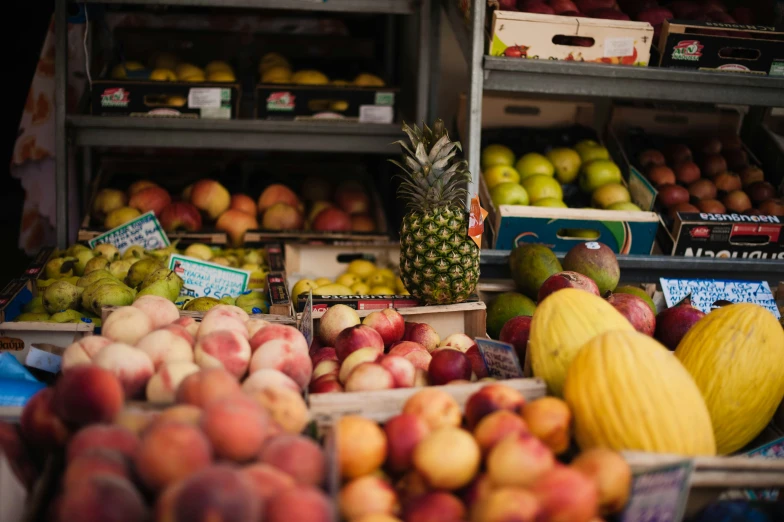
(87, 132)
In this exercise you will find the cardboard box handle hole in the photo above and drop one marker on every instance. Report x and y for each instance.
(573, 41)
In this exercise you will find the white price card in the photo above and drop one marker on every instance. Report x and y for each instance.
(618, 47)
(659, 494)
(43, 360)
(203, 279)
(704, 293)
(376, 114)
(144, 231)
(204, 97)
(500, 358)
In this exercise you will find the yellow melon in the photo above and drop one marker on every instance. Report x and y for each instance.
(561, 325)
(736, 356)
(628, 392)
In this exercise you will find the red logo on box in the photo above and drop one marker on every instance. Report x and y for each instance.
(700, 232)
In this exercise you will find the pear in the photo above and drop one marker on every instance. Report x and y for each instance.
(96, 263)
(250, 300)
(59, 267)
(61, 295)
(227, 299)
(35, 306)
(92, 288)
(111, 295)
(92, 277)
(43, 283)
(163, 282)
(66, 316)
(32, 317)
(120, 268)
(82, 258)
(72, 279)
(108, 251)
(164, 253)
(141, 269)
(253, 257)
(183, 300)
(74, 249)
(201, 304)
(135, 252)
(221, 260)
(199, 251)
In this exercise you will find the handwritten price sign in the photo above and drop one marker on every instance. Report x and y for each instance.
(660, 494)
(705, 292)
(144, 231)
(203, 279)
(500, 359)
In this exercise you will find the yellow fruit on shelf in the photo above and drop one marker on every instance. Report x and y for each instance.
(534, 164)
(360, 288)
(120, 71)
(218, 66)
(338, 106)
(561, 325)
(186, 69)
(165, 61)
(332, 289)
(277, 74)
(321, 281)
(309, 77)
(120, 216)
(399, 286)
(381, 290)
(347, 279)
(500, 174)
(361, 268)
(368, 80)
(495, 154)
(542, 187)
(627, 392)
(550, 202)
(340, 83)
(377, 278)
(163, 75)
(303, 286)
(195, 77)
(199, 251)
(221, 76)
(176, 101)
(272, 60)
(388, 274)
(566, 162)
(736, 356)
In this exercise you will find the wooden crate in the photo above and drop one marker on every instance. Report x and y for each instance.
(313, 261)
(197, 316)
(327, 408)
(40, 345)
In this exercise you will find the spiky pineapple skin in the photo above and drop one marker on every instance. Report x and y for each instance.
(439, 262)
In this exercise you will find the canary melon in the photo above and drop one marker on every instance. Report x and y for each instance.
(561, 325)
(627, 392)
(736, 356)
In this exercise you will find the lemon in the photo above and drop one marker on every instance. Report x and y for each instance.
(185, 70)
(493, 155)
(218, 66)
(120, 71)
(221, 76)
(381, 290)
(309, 77)
(277, 74)
(347, 279)
(378, 279)
(303, 285)
(163, 75)
(340, 83)
(388, 274)
(321, 281)
(332, 289)
(176, 101)
(361, 268)
(399, 286)
(368, 80)
(270, 60)
(500, 174)
(338, 106)
(360, 288)
(196, 77)
(165, 61)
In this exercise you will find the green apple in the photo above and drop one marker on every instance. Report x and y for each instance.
(594, 153)
(626, 205)
(585, 144)
(597, 173)
(541, 187)
(494, 155)
(534, 164)
(550, 202)
(610, 194)
(566, 162)
(500, 174)
(508, 194)
(583, 233)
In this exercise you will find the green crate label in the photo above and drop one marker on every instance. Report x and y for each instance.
(385, 98)
(777, 69)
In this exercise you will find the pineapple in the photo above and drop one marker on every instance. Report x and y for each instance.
(439, 262)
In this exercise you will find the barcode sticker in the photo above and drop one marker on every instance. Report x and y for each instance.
(375, 114)
(618, 47)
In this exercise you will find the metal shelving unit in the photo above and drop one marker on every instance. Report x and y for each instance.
(86, 131)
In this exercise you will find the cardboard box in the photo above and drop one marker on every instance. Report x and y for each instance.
(713, 46)
(726, 236)
(533, 125)
(552, 37)
(324, 102)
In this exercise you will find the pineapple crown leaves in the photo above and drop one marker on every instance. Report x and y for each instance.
(432, 176)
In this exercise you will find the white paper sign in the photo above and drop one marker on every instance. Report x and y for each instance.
(660, 494)
(500, 358)
(43, 360)
(618, 47)
(204, 97)
(376, 114)
(144, 231)
(705, 292)
(203, 279)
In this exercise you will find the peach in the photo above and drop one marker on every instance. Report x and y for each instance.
(277, 193)
(236, 426)
(356, 337)
(243, 203)
(299, 504)
(361, 446)
(223, 349)
(298, 456)
(88, 394)
(169, 452)
(281, 216)
(491, 398)
(185, 413)
(326, 384)
(150, 199)
(226, 309)
(135, 421)
(324, 353)
(166, 346)
(448, 458)
(449, 365)
(612, 475)
(131, 366)
(388, 323)
(183, 332)
(115, 438)
(103, 497)
(476, 492)
(210, 197)
(415, 353)
(199, 389)
(404, 432)
(402, 370)
(377, 517)
(94, 461)
(519, 460)
(214, 493)
(549, 418)
(350, 363)
(267, 480)
(220, 323)
(126, 325)
(325, 368)
(235, 223)
(436, 407)
(508, 505)
(83, 351)
(268, 378)
(566, 495)
(423, 334)
(279, 332)
(162, 387)
(286, 407)
(336, 319)
(160, 310)
(368, 377)
(366, 496)
(19, 456)
(469, 347)
(435, 506)
(253, 325)
(190, 324)
(39, 424)
(286, 357)
(493, 428)
(411, 486)
(421, 379)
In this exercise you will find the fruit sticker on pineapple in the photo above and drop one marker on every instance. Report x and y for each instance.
(144, 231)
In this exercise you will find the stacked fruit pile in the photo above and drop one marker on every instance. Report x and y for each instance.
(274, 68)
(167, 67)
(536, 179)
(497, 464)
(720, 181)
(384, 352)
(361, 277)
(151, 349)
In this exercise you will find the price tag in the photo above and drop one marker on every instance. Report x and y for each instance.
(771, 450)
(203, 279)
(144, 231)
(204, 97)
(375, 114)
(43, 360)
(660, 494)
(706, 292)
(306, 323)
(500, 359)
(618, 47)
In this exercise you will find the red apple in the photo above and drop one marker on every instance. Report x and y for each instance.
(703, 189)
(750, 175)
(687, 172)
(586, 6)
(684, 9)
(737, 159)
(243, 203)
(388, 323)
(761, 191)
(352, 200)
(422, 334)
(150, 198)
(332, 220)
(325, 353)
(566, 279)
(737, 201)
(683, 208)
(670, 195)
(316, 189)
(449, 365)
(673, 323)
(356, 337)
(650, 158)
(677, 152)
(636, 311)
(563, 6)
(281, 216)
(516, 332)
(711, 206)
(609, 14)
(180, 216)
(328, 383)
(235, 223)
(534, 6)
(772, 207)
(278, 193)
(661, 175)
